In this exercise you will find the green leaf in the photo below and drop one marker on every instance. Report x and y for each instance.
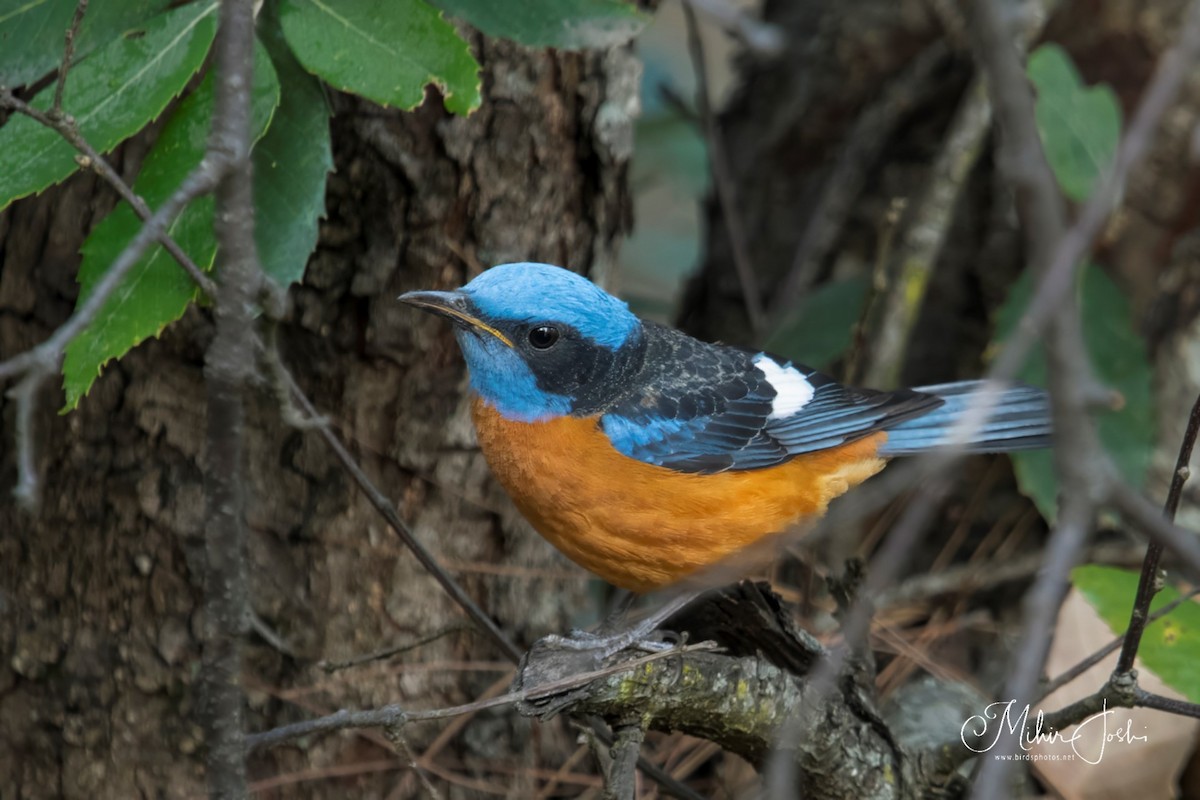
(820, 327)
(1170, 647)
(386, 52)
(1079, 126)
(33, 33)
(567, 24)
(156, 291)
(290, 165)
(1119, 357)
(113, 95)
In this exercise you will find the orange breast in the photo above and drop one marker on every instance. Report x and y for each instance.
(641, 526)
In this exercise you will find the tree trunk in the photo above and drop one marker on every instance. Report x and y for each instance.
(99, 592)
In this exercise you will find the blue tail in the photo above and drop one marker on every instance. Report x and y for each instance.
(1020, 420)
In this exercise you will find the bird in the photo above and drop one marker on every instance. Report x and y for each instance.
(648, 456)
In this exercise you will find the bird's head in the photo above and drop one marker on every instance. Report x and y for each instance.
(539, 341)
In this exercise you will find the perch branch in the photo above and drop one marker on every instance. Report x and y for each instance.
(395, 714)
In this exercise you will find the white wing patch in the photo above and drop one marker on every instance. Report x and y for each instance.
(792, 389)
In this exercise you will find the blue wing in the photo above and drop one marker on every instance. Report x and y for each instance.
(706, 408)
(696, 407)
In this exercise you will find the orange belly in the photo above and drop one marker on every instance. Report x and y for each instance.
(640, 526)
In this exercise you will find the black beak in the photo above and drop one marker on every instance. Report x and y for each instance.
(454, 306)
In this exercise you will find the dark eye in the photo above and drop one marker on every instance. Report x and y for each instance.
(543, 337)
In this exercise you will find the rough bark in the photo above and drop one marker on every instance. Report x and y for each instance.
(99, 594)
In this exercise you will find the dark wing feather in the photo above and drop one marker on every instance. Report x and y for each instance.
(838, 414)
(696, 407)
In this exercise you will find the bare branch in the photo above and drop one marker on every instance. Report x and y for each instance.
(25, 394)
(388, 652)
(1055, 252)
(42, 361)
(1142, 514)
(1043, 222)
(89, 158)
(1040, 614)
(967, 578)
(47, 356)
(1170, 704)
(1150, 581)
(68, 56)
(311, 419)
(229, 364)
(395, 735)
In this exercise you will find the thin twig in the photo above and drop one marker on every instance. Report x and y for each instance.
(40, 362)
(1182, 470)
(1095, 658)
(24, 394)
(396, 715)
(1043, 223)
(228, 367)
(723, 183)
(388, 652)
(1150, 581)
(1170, 704)
(46, 356)
(985, 575)
(68, 56)
(667, 782)
(269, 634)
(89, 158)
(1041, 603)
(398, 526)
